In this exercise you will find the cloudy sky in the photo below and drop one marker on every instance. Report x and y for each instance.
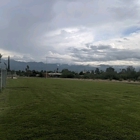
(71, 31)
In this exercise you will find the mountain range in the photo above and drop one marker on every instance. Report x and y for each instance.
(18, 65)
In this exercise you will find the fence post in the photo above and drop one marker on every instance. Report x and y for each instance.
(1, 79)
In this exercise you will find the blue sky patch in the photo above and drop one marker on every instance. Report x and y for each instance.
(131, 30)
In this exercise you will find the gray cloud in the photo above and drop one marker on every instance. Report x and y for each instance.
(125, 9)
(32, 29)
(104, 53)
(27, 20)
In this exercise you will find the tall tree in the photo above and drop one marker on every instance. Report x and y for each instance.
(8, 63)
(97, 71)
(110, 69)
(27, 70)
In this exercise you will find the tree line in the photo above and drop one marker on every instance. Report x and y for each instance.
(128, 73)
(124, 74)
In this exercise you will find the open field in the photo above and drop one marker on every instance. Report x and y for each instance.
(58, 109)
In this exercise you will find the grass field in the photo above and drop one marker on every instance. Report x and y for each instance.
(58, 109)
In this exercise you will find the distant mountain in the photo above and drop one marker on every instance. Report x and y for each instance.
(17, 65)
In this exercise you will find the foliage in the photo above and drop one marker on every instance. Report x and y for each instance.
(125, 74)
(67, 74)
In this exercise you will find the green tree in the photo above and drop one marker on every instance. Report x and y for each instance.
(97, 71)
(67, 74)
(27, 70)
(110, 70)
(131, 73)
(81, 73)
(110, 73)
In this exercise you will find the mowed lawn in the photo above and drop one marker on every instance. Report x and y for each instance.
(62, 109)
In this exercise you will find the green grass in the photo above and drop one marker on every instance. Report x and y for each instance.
(58, 109)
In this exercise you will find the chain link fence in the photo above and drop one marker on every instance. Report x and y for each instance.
(3, 77)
